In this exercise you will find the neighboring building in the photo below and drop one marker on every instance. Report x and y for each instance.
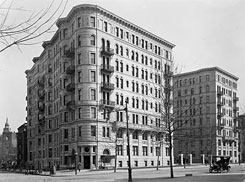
(22, 146)
(241, 128)
(205, 108)
(8, 145)
(95, 62)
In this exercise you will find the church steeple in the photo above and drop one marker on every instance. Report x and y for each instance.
(6, 128)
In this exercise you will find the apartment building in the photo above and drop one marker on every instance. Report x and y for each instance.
(205, 109)
(77, 88)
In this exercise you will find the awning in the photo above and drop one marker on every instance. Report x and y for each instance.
(107, 158)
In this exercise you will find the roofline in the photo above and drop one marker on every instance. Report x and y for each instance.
(116, 17)
(208, 69)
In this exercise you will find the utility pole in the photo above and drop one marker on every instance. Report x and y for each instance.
(128, 148)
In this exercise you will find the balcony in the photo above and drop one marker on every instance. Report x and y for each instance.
(40, 82)
(107, 68)
(70, 105)
(235, 99)
(70, 53)
(107, 104)
(228, 138)
(107, 86)
(107, 51)
(138, 127)
(41, 107)
(220, 104)
(41, 118)
(70, 70)
(236, 109)
(169, 74)
(70, 87)
(41, 95)
(168, 89)
(221, 125)
(219, 93)
(220, 115)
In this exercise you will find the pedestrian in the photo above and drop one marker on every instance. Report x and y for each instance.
(79, 166)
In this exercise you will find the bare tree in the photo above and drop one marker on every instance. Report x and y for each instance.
(26, 31)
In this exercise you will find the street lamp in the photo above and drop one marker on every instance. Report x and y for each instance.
(75, 154)
(128, 148)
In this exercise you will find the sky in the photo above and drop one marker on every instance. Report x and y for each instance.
(206, 33)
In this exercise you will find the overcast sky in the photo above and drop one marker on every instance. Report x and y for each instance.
(206, 33)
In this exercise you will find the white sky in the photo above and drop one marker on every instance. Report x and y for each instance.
(206, 33)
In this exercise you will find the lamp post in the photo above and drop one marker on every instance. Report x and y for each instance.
(128, 148)
(75, 154)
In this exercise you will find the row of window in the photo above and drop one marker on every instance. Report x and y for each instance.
(135, 56)
(134, 39)
(135, 72)
(145, 151)
(192, 81)
(226, 81)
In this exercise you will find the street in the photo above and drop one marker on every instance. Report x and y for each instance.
(199, 173)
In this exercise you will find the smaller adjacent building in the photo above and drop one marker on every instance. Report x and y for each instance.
(242, 137)
(8, 144)
(22, 146)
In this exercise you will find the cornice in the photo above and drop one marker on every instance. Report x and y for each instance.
(112, 16)
(208, 69)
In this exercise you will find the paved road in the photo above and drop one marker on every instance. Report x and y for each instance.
(199, 173)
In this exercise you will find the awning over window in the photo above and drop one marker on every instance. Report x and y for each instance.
(107, 158)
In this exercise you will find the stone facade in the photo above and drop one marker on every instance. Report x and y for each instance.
(205, 105)
(78, 86)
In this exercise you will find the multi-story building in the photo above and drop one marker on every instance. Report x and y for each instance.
(78, 86)
(241, 128)
(205, 109)
(22, 146)
(8, 145)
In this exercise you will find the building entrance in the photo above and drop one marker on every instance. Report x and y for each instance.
(86, 162)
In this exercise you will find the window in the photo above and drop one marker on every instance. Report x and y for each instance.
(92, 79)
(79, 41)
(135, 150)
(66, 133)
(135, 135)
(105, 26)
(119, 150)
(78, 22)
(92, 40)
(92, 21)
(93, 112)
(92, 58)
(79, 58)
(93, 130)
(145, 152)
(93, 94)
(79, 76)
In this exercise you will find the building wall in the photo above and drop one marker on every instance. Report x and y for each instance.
(47, 141)
(210, 127)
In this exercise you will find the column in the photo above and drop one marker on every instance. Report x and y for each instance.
(91, 156)
(181, 159)
(203, 158)
(190, 159)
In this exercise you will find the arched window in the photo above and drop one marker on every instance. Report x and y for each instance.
(132, 57)
(92, 40)
(146, 60)
(142, 59)
(121, 50)
(108, 44)
(103, 43)
(79, 42)
(117, 49)
(106, 152)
